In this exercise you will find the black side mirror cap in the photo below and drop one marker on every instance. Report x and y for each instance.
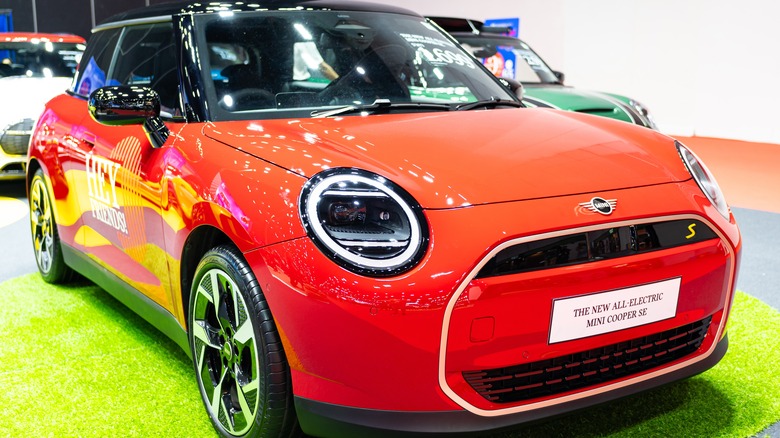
(129, 105)
(123, 105)
(559, 76)
(515, 86)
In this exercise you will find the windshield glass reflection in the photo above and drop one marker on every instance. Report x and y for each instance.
(286, 61)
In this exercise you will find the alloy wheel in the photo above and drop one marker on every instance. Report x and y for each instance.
(42, 225)
(225, 352)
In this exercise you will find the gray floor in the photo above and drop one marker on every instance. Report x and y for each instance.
(759, 272)
(16, 254)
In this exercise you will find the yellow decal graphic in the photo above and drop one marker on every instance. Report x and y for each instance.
(101, 188)
(693, 232)
(128, 152)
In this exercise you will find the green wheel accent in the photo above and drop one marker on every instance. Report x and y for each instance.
(236, 351)
(46, 240)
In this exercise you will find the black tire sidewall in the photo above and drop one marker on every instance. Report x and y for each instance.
(59, 271)
(229, 260)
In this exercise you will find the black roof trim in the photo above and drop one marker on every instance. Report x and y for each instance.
(204, 7)
(458, 24)
(485, 36)
(463, 26)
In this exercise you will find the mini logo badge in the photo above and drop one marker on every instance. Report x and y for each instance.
(598, 205)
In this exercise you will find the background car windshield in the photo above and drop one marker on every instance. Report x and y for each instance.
(282, 63)
(527, 68)
(41, 59)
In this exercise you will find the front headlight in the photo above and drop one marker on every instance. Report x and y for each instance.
(641, 109)
(364, 222)
(704, 179)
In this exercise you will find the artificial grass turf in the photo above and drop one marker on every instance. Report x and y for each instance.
(75, 362)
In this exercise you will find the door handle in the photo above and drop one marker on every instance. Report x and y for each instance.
(88, 139)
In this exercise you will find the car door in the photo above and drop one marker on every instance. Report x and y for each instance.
(125, 173)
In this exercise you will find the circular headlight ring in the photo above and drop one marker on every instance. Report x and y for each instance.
(337, 179)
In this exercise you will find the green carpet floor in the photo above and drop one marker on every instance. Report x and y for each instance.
(75, 362)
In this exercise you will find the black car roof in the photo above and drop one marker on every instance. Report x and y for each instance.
(457, 24)
(203, 7)
(466, 27)
(485, 36)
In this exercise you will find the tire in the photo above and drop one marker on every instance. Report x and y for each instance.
(237, 354)
(45, 238)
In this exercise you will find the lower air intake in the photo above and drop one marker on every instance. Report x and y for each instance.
(587, 368)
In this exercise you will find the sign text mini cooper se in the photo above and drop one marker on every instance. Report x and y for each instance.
(352, 227)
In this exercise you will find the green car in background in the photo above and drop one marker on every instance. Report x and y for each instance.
(511, 58)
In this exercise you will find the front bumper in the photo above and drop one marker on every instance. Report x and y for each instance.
(324, 419)
(14, 142)
(391, 354)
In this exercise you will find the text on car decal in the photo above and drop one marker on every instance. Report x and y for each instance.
(101, 188)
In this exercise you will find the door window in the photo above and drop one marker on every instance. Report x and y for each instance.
(95, 62)
(147, 57)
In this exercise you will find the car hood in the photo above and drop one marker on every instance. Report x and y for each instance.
(583, 101)
(25, 97)
(448, 160)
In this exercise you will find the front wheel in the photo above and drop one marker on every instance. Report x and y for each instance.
(237, 354)
(46, 240)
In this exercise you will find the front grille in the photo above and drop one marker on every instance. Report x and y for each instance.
(587, 368)
(16, 169)
(608, 243)
(16, 137)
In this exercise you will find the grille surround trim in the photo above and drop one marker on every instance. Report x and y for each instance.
(501, 411)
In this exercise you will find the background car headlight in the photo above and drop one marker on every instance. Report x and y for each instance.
(704, 179)
(364, 222)
(641, 109)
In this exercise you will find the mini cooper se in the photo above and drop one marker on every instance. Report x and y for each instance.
(353, 228)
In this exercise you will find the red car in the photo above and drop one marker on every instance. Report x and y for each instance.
(353, 228)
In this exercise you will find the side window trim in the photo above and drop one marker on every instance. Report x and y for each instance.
(96, 42)
(168, 112)
(115, 55)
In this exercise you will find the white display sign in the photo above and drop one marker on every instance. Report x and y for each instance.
(604, 312)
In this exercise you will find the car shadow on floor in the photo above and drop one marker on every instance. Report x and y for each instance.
(643, 413)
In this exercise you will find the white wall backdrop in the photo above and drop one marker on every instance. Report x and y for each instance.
(704, 67)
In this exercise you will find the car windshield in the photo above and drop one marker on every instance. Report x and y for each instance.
(303, 63)
(509, 58)
(39, 58)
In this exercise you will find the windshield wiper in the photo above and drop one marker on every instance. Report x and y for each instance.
(381, 106)
(489, 103)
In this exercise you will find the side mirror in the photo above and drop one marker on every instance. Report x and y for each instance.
(515, 86)
(123, 105)
(129, 105)
(560, 76)
(483, 52)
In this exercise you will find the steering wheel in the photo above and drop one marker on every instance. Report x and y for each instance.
(340, 92)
